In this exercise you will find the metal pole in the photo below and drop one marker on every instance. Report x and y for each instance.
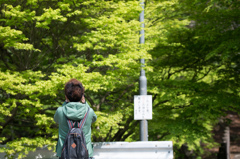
(141, 19)
(227, 135)
(142, 79)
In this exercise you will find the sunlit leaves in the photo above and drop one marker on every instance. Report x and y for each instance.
(192, 66)
(49, 14)
(107, 122)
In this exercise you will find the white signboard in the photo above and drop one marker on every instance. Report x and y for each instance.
(142, 107)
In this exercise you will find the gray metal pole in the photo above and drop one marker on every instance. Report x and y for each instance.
(143, 91)
(227, 140)
(142, 79)
(141, 19)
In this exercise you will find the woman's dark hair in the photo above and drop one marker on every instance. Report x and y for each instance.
(74, 90)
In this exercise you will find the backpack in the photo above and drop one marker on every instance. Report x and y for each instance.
(74, 146)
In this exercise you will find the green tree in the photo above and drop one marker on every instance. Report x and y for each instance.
(192, 67)
(195, 69)
(46, 43)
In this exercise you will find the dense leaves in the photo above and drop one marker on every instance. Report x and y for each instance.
(193, 64)
(195, 77)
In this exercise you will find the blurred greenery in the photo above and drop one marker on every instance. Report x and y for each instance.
(192, 57)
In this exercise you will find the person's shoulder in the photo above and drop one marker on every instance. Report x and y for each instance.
(92, 114)
(58, 114)
(91, 110)
(59, 109)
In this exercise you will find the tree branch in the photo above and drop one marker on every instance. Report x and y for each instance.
(8, 120)
(165, 101)
(89, 99)
(120, 133)
(102, 100)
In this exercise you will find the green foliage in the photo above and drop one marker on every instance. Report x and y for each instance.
(195, 70)
(24, 145)
(43, 45)
(192, 66)
(106, 123)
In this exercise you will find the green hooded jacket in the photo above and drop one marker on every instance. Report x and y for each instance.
(74, 111)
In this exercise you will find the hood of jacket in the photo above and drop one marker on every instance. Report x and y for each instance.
(75, 110)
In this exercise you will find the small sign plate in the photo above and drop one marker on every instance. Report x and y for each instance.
(142, 107)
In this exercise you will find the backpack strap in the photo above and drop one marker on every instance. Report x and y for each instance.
(70, 124)
(81, 124)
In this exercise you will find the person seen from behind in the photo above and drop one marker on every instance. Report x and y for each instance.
(74, 108)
